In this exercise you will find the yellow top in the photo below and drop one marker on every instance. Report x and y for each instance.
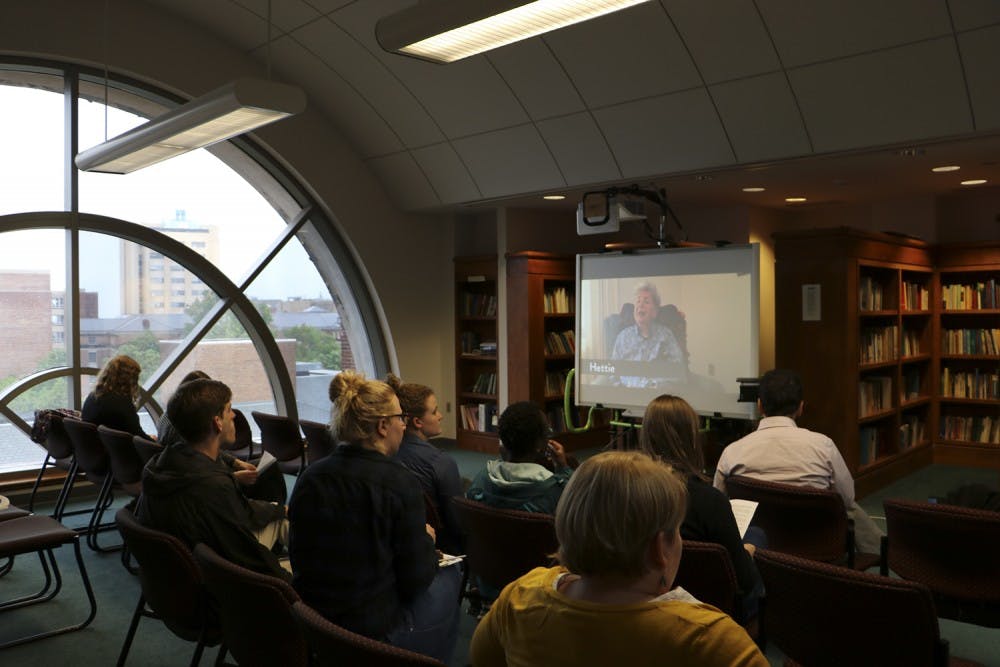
(531, 624)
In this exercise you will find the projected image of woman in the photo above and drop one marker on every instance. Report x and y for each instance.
(646, 339)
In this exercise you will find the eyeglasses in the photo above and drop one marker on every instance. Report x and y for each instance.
(401, 415)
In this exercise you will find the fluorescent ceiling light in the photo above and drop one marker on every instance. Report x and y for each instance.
(753, 189)
(974, 181)
(554, 197)
(448, 30)
(795, 200)
(237, 107)
(946, 168)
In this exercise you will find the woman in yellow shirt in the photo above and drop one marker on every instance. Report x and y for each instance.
(618, 526)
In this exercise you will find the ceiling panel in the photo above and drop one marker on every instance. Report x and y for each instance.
(969, 14)
(579, 148)
(678, 132)
(509, 161)
(537, 79)
(736, 47)
(373, 81)
(232, 22)
(624, 56)
(326, 6)
(404, 181)
(286, 15)
(809, 32)
(447, 174)
(909, 93)
(761, 118)
(981, 55)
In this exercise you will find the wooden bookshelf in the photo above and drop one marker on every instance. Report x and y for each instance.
(476, 353)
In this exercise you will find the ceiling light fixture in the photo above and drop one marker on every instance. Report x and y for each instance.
(239, 106)
(753, 189)
(975, 181)
(795, 200)
(444, 31)
(946, 168)
(554, 197)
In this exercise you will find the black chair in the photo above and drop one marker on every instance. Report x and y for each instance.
(319, 440)
(6, 514)
(58, 453)
(173, 589)
(280, 437)
(706, 572)
(258, 627)
(333, 646)
(954, 551)
(242, 445)
(91, 457)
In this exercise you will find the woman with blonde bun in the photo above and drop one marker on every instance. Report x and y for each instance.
(361, 551)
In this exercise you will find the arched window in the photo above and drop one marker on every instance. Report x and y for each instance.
(215, 260)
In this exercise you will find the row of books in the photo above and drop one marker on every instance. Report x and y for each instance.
(870, 443)
(879, 344)
(479, 416)
(971, 341)
(911, 342)
(911, 432)
(472, 304)
(870, 294)
(556, 417)
(916, 296)
(555, 382)
(874, 395)
(486, 383)
(911, 384)
(558, 300)
(971, 429)
(560, 342)
(471, 344)
(977, 296)
(970, 384)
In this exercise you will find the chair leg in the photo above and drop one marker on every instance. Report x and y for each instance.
(198, 649)
(131, 630)
(7, 567)
(45, 593)
(64, 493)
(104, 499)
(38, 481)
(220, 659)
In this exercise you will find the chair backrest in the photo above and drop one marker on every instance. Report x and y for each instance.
(244, 436)
(126, 466)
(822, 615)
(954, 551)
(501, 545)
(145, 449)
(256, 612)
(171, 581)
(333, 646)
(57, 441)
(799, 520)
(279, 435)
(319, 439)
(91, 455)
(706, 572)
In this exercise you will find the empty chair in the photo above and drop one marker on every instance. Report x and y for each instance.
(173, 589)
(319, 440)
(91, 457)
(280, 437)
(126, 464)
(802, 521)
(256, 612)
(821, 615)
(146, 449)
(333, 646)
(954, 551)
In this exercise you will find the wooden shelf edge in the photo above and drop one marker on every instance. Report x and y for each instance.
(878, 416)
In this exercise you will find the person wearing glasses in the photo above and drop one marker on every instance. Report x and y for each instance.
(436, 471)
(362, 553)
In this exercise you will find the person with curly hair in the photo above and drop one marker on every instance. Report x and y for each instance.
(362, 553)
(112, 402)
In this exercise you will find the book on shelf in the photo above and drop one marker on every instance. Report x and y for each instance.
(983, 295)
(555, 382)
(879, 344)
(558, 301)
(871, 292)
(479, 417)
(916, 296)
(469, 342)
(473, 304)
(560, 342)
(984, 430)
(971, 341)
(911, 431)
(911, 342)
(874, 395)
(556, 417)
(869, 440)
(977, 383)
(911, 384)
(485, 383)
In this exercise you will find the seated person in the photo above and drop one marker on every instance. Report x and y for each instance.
(610, 602)
(188, 492)
(436, 471)
(362, 552)
(670, 433)
(112, 402)
(269, 485)
(647, 339)
(519, 481)
(780, 451)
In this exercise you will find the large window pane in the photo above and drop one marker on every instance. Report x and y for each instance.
(31, 142)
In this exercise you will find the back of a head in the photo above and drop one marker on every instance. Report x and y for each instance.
(358, 404)
(195, 375)
(522, 425)
(613, 506)
(412, 397)
(670, 432)
(780, 393)
(194, 405)
(120, 375)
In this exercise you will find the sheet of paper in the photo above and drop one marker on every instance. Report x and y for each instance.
(743, 511)
(448, 559)
(266, 461)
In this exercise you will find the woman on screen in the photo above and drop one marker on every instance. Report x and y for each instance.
(646, 339)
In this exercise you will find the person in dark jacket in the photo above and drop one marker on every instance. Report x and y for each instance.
(112, 402)
(361, 550)
(436, 471)
(188, 492)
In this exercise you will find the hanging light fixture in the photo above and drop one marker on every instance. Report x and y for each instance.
(237, 107)
(444, 31)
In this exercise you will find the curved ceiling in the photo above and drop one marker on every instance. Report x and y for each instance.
(664, 90)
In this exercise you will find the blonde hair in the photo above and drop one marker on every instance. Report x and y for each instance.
(670, 432)
(612, 508)
(120, 375)
(358, 405)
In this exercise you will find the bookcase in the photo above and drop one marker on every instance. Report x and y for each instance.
(476, 353)
(541, 319)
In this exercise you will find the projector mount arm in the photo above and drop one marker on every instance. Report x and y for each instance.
(655, 196)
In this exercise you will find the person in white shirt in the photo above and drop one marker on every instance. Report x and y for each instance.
(780, 451)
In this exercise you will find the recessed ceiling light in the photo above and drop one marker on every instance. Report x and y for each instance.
(948, 167)
(795, 200)
(753, 189)
(975, 181)
(554, 197)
